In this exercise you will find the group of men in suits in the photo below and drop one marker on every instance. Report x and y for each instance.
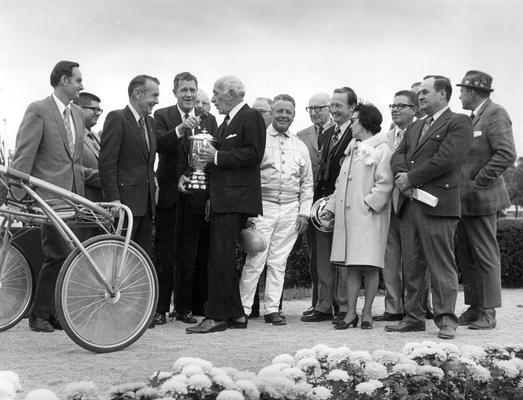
(451, 156)
(443, 155)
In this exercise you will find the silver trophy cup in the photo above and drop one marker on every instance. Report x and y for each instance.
(198, 179)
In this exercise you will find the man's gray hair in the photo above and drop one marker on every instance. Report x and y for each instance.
(233, 83)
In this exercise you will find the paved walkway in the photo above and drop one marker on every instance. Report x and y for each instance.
(52, 360)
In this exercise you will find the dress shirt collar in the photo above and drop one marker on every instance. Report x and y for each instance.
(326, 125)
(343, 127)
(273, 132)
(135, 113)
(476, 111)
(235, 110)
(398, 130)
(61, 106)
(438, 114)
(182, 113)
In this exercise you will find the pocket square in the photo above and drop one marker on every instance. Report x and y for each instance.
(477, 133)
(231, 136)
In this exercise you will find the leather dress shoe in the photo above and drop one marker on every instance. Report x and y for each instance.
(404, 327)
(38, 324)
(316, 316)
(308, 311)
(447, 332)
(366, 324)
(207, 326)
(275, 318)
(387, 316)
(159, 319)
(429, 314)
(486, 320)
(171, 315)
(55, 323)
(238, 323)
(469, 315)
(339, 318)
(186, 318)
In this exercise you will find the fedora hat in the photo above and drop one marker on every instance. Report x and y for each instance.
(477, 80)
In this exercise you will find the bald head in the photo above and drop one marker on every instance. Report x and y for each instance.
(228, 91)
(319, 108)
(202, 103)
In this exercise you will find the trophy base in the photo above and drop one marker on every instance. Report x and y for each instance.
(198, 181)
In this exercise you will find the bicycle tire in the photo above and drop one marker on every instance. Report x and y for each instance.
(16, 287)
(89, 315)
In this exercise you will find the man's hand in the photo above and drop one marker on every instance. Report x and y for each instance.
(115, 211)
(190, 123)
(408, 193)
(301, 224)
(206, 154)
(402, 181)
(326, 215)
(182, 182)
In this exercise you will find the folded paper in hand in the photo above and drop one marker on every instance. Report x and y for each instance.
(425, 197)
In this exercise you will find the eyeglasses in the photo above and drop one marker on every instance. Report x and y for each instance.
(262, 111)
(399, 106)
(315, 108)
(336, 106)
(97, 110)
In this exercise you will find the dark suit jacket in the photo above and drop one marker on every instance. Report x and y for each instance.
(235, 181)
(42, 148)
(330, 163)
(168, 119)
(126, 166)
(434, 164)
(492, 152)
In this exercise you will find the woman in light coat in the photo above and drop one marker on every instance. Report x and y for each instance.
(360, 206)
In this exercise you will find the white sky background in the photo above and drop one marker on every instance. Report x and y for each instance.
(298, 47)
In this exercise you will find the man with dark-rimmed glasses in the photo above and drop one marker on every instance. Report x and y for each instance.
(312, 136)
(91, 111)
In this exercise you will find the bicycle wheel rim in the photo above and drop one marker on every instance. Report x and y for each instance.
(93, 318)
(16, 288)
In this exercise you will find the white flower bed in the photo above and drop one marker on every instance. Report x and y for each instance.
(433, 370)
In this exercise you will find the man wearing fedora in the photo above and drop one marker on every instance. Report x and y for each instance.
(483, 194)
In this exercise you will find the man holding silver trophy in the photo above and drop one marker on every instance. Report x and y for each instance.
(235, 195)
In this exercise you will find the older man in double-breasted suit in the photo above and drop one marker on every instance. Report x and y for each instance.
(49, 146)
(483, 194)
(429, 158)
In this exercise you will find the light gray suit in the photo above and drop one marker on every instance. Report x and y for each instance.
(42, 151)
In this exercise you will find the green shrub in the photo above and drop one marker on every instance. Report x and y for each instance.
(510, 240)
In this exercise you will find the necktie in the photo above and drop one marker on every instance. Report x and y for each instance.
(319, 129)
(399, 138)
(185, 116)
(67, 124)
(227, 120)
(472, 116)
(426, 127)
(141, 122)
(334, 138)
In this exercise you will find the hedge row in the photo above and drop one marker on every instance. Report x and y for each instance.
(510, 239)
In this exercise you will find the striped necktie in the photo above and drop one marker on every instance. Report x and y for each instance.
(67, 124)
(334, 138)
